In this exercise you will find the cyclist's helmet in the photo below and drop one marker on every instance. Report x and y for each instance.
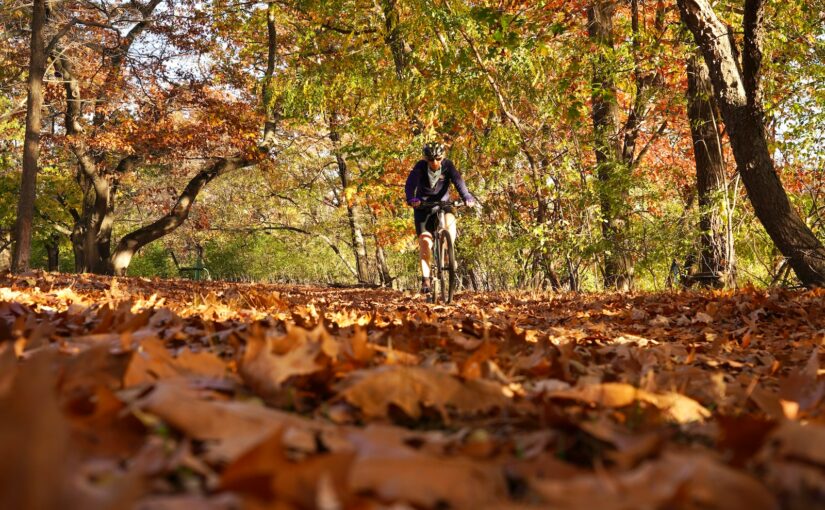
(433, 151)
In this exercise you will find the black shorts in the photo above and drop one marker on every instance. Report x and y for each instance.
(422, 224)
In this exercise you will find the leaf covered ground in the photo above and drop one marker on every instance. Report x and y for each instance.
(166, 394)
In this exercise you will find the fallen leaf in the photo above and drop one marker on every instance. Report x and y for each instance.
(411, 388)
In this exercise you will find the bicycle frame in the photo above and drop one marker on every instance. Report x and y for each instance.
(437, 266)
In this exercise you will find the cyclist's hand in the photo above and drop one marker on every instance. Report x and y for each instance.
(415, 202)
(471, 203)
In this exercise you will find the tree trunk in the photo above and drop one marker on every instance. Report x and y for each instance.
(738, 95)
(92, 238)
(613, 191)
(711, 181)
(359, 246)
(384, 275)
(269, 100)
(31, 143)
(97, 236)
(77, 246)
(132, 242)
(401, 57)
(5, 249)
(53, 252)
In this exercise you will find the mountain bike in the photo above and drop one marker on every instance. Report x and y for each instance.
(443, 265)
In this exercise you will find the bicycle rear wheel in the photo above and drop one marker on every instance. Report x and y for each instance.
(446, 267)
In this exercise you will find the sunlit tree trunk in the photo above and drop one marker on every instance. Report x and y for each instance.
(354, 219)
(31, 143)
(132, 242)
(738, 93)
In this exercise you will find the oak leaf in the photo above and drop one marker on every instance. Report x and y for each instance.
(411, 388)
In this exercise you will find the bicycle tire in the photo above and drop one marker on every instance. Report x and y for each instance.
(435, 280)
(447, 267)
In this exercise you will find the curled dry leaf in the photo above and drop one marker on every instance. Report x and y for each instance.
(40, 465)
(429, 481)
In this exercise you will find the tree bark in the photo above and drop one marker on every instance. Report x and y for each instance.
(132, 242)
(92, 238)
(384, 274)
(711, 181)
(613, 191)
(738, 94)
(53, 252)
(401, 56)
(5, 249)
(359, 246)
(269, 100)
(394, 39)
(31, 143)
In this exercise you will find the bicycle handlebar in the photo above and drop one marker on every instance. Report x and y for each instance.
(437, 205)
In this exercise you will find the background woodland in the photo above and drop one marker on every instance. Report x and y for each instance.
(618, 145)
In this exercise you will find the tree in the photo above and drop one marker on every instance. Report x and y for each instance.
(31, 145)
(737, 89)
(716, 257)
(138, 125)
(613, 191)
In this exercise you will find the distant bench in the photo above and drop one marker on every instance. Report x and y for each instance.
(197, 272)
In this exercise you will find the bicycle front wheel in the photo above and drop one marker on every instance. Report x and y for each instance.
(447, 267)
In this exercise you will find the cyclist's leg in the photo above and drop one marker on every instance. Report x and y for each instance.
(425, 246)
(450, 220)
(425, 242)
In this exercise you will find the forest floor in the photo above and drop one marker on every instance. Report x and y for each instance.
(167, 394)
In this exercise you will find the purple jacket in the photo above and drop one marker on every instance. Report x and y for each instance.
(418, 184)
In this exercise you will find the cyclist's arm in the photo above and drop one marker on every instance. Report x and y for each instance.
(411, 187)
(461, 186)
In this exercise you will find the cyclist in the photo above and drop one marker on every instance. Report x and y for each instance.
(429, 182)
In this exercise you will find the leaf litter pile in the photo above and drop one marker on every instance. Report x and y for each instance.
(168, 394)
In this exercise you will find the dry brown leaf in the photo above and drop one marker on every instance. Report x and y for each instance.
(268, 362)
(410, 388)
(760, 357)
(677, 481)
(429, 482)
(152, 361)
(804, 442)
(40, 469)
(676, 407)
(265, 473)
(228, 427)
